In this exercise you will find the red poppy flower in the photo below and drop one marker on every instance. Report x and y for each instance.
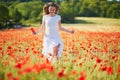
(18, 65)
(61, 73)
(82, 76)
(119, 70)
(32, 29)
(98, 60)
(15, 78)
(9, 47)
(50, 69)
(28, 69)
(9, 74)
(0, 48)
(73, 72)
(110, 70)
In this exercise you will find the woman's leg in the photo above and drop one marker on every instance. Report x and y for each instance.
(55, 51)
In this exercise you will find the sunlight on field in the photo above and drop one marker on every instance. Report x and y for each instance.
(100, 21)
(94, 28)
(95, 24)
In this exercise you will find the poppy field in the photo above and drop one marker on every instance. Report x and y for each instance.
(86, 56)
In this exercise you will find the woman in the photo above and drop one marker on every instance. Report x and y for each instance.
(51, 22)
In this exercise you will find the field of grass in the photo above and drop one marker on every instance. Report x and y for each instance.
(96, 24)
(91, 53)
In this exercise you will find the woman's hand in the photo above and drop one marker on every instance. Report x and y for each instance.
(34, 33)
(72, 31)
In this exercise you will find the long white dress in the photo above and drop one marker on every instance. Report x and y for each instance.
(51, 37)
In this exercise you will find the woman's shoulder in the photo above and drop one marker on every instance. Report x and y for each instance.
(45, 15)
(58, 15)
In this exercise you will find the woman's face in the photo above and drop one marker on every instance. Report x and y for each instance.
(52, 10)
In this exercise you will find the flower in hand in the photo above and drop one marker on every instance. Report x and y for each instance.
(33, 31)
(72, 31)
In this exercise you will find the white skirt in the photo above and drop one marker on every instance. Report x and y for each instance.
(48, 47)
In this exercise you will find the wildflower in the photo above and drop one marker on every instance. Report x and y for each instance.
(98, 60)
(103, 68)
(28, 69)
(0, 48)
(15, 78)
(119, 70)
(95, 66)
(32, 29)
(9, 74)
(73, 72)
(50, 69)
(82, 76)
(20, 72)
(9, 47)
(18, 65)
(61, 73)
(75, 61)
(41, 56)
(110, 70)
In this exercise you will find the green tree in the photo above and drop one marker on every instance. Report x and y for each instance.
(104, 6)
(89, 8)
(84, 9)
(94, 8)
(4, 15)
(77, 7)
(67, 12)
(15, 15)
(30, 10)
(73, 3)
(114, 11)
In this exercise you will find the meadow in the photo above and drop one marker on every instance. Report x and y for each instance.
(91, 53)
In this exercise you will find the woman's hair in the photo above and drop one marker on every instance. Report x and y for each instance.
(46, 6)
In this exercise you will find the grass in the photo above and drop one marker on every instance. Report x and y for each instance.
(99, 21)
(96, 24)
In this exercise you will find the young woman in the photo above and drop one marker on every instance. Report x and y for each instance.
(51, 22)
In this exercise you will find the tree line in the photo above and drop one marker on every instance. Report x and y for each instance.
(28, 11)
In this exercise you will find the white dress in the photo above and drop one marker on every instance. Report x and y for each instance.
(51, 37)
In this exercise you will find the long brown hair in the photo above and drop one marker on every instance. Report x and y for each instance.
(46, 6)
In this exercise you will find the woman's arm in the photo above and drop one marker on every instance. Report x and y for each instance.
(63, 29)
(41, 28)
